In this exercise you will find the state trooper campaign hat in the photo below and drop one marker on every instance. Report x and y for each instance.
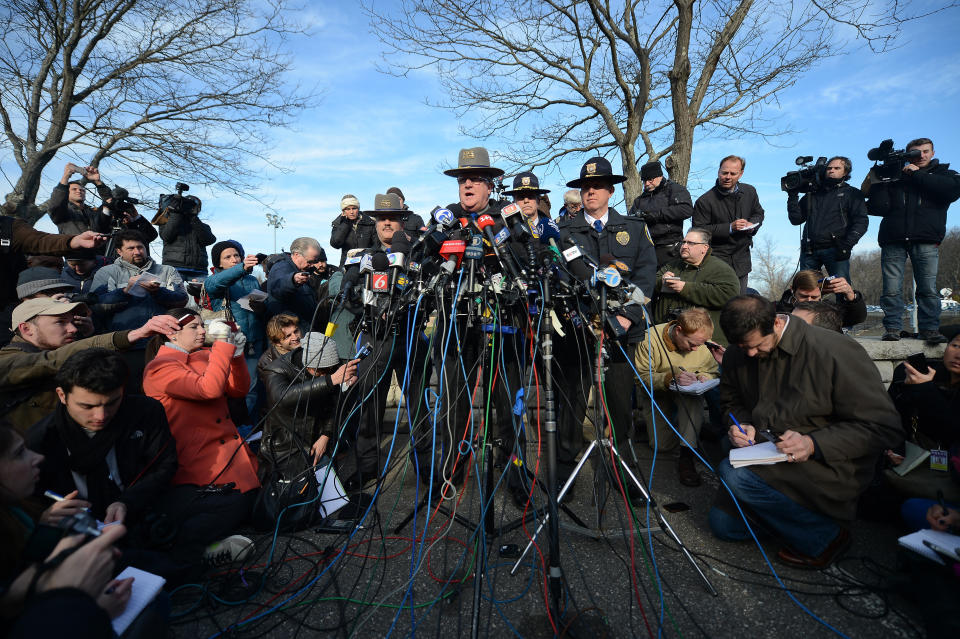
(526, 183)
(597, 167)
(474, 161)
(387, 204)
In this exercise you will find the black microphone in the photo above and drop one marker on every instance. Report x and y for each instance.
(574, 258)
(485, 223)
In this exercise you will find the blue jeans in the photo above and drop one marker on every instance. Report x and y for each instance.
(924, 258)
(805, 531)
(827, 258)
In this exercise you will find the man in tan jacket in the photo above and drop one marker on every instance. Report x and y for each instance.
(669, 360)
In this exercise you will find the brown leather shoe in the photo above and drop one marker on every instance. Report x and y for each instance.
(687, 469)
(836, 548)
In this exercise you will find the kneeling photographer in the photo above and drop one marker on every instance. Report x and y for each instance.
(834, 213)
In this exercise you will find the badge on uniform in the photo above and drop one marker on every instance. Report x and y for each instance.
(623, 238)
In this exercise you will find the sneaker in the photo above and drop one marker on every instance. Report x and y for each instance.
(228, 550)
(890, 336)
(932, 337)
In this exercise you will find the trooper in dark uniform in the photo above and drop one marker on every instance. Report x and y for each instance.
(604, 235)
(663, 206)
(527, 194)
(387, 334)
(493, 338)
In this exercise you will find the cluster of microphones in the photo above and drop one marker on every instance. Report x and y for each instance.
(517, 260)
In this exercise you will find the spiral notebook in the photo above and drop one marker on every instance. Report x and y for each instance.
(756, 455)
(146, 585)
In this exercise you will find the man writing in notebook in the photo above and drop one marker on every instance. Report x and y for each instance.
(818, 395)
(674, 356)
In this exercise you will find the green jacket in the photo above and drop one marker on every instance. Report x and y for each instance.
(27, 375)
(708, 286)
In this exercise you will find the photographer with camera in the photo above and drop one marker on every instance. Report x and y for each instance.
(663, 205)
(911, 191)
(71, 215)
(185, 237)
(351, 230)
(833, 213)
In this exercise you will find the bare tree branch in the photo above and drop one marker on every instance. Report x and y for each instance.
(641, 77)
(175, 89)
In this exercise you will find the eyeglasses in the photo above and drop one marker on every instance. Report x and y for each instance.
(476, 179)
(315, 260)
(692, 243)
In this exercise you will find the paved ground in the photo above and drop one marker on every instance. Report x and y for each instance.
(613, 588)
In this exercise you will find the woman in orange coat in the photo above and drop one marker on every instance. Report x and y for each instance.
(216, 484)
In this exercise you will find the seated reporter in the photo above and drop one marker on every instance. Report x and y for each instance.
(283, 335)
(216, 483)
(812, 286)
(111, 450)
(820, 395)
(303, 387)
(20, 519)
(676, 352)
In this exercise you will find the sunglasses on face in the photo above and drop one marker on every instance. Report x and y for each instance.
(475, 179)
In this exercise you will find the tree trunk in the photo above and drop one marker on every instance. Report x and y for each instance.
(25, 191)
(633, 187)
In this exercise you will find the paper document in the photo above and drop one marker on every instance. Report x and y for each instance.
(912, 458)
(749, 228)
(146, 585)
(943, 540)
(332, 495)
(696, 388)
(138, 291)
(255, 296)
(756, 455)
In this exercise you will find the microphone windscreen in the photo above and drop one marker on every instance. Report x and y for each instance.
(380, 261)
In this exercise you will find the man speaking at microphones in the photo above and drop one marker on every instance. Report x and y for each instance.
(492, 338)
(602, 231)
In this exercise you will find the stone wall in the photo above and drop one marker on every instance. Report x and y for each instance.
(887, 355)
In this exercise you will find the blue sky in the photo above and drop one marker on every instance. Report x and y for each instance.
(370, 131)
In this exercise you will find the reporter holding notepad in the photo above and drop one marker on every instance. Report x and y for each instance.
(671, 356)
(821, 394)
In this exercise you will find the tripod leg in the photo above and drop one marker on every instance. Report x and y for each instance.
(664, 524)
(563, 491)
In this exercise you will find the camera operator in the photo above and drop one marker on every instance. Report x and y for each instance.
(186, 238)
(834, 218)
(663, 205)
(71, 215)
(914, 211)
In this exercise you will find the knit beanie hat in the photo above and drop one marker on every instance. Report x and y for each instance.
(349, 200)
(319, 351)
(220, 247)
(651, 170)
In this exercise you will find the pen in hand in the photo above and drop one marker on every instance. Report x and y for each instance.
(740, 428)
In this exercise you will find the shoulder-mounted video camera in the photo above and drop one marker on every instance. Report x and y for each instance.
(120, 203)
(807, 178)
(170, 203)
(888, 162)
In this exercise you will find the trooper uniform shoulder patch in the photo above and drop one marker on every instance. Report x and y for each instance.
(623, 238)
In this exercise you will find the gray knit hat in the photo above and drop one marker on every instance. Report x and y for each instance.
(319, 351)
(40, 278)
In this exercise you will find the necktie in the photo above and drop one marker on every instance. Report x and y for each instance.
(597, 224)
